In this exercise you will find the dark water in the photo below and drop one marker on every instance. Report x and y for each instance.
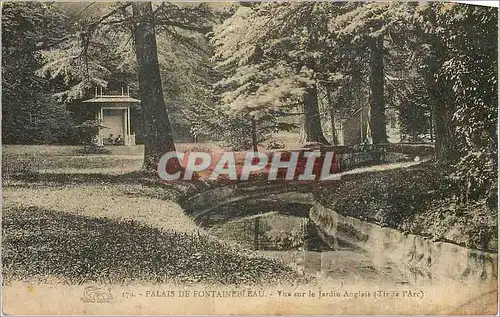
(348, 265)
(295, 241)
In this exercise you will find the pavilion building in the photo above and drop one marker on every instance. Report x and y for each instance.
(113, 113)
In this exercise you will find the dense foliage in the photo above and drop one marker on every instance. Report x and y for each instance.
(471, 35)
(29, 114)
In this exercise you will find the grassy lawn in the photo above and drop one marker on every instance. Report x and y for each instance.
(22, 159)
(84, 225)
(70, 150)
(62, 159)
(46, 244)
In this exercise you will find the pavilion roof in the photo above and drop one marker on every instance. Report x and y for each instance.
(112, 99)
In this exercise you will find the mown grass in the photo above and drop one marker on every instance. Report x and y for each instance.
(43, 244)
(62, 159)
(75, 218)
(70, 150)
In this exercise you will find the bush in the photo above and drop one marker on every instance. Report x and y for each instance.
(476, 175)
(275, 145)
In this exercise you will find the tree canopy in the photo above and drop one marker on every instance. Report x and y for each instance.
(234, 65)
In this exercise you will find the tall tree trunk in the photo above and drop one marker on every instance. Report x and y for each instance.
(441, 112)
(312, 131)
(157, 128)
(377, 103)
(444, 133)
(331, 109)
(431, 126)
(443, 128)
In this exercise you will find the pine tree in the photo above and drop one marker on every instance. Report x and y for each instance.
(29, 114)
(270, 60)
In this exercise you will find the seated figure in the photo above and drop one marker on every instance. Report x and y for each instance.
(110, 139)
(95, 140)
(119, 140)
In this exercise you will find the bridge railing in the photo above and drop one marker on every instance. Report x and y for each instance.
(358, 159)
(370, 154)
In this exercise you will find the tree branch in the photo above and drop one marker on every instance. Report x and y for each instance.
(51, 43)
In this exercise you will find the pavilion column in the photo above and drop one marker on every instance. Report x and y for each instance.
(99, 120)
(128, 120)
(125, 128)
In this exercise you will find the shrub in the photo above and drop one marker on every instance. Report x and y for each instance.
(275, 145)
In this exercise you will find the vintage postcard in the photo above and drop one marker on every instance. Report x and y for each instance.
(215, 158)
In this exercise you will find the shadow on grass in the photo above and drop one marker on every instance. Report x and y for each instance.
(41, 244)
(80, 178)
(170, 190)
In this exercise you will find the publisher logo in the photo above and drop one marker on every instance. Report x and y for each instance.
(95, 294)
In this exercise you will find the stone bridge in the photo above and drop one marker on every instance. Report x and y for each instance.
(350, 160)
(271, 192)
